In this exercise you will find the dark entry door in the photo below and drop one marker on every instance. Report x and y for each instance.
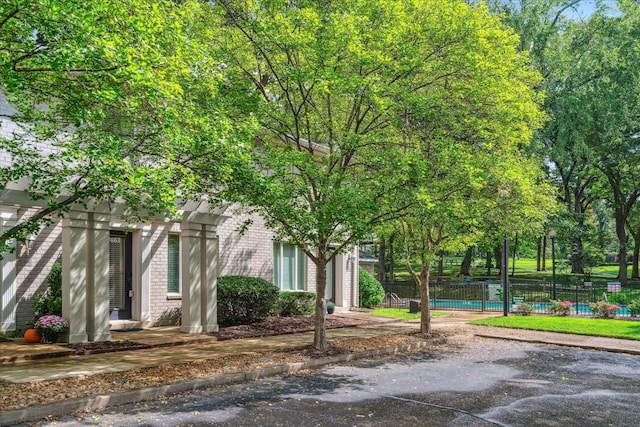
(120, 290)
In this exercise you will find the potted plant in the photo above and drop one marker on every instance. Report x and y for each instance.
(330, 307)
(51, 326)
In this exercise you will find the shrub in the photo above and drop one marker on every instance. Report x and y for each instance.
(634, 307)
(244, 300)
(370, 290)
(50, 300)
(604, 309)
(295, 303)
(618, 298)
(561, 308)
(525, 309)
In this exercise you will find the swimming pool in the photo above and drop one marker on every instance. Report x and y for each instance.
(538, 307)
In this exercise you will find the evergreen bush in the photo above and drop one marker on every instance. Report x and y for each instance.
(634, 307)
(243, 300)
(370, 290)
(50, 300)
(296, 303)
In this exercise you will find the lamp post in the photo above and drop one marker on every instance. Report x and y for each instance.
(552, 236)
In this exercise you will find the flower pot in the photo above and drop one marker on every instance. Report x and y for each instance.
(330, 309)
(32, 336)
(51, 337)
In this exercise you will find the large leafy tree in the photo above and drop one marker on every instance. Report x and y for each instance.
(465, 133)
(112, 99)
(321, 80)
(612, 113)
(350, 95)
(552, 31)
(591, 78)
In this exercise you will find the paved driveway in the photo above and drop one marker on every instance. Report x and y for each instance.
(482, 382)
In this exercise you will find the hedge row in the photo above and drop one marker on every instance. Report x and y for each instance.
(244, 300)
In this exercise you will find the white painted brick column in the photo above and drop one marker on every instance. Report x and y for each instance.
(8, 218)
(209, 260)
(74, 275)
(191, 265)
(142, 273)
(98, 277)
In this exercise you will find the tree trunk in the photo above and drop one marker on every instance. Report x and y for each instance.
(465, 267)
(622, 251)
(539, 255)
(320, 327)
(636, 255)
(488, 263)
(381, 261)
(391, 261)
(544, 253)
(497, 255)
(515, 251)
(577, 255)
(425, 310)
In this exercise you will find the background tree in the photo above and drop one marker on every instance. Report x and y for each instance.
(609, 111)
(121, 96)
(591, 87)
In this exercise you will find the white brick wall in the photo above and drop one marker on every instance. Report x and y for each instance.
(251, 254)
(8, 128)
(33, 266)
(160, 302)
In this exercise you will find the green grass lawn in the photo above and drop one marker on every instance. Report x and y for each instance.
(582, 326)
(403, 313)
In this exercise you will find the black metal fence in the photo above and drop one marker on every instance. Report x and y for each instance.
(487, 295)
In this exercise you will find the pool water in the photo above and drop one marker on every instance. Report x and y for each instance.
(539, 307)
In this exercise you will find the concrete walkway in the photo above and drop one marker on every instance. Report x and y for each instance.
(23, 363)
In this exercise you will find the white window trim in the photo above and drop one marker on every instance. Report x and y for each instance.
(175, 295)
(297, 254)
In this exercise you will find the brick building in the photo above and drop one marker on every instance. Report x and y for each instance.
(117, 273)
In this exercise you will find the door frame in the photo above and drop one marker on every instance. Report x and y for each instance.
(124, 313)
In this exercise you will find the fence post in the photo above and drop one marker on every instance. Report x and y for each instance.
(505, 277)
(577, 301)
(484, 295)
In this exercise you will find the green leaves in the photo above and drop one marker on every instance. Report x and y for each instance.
(116, 101)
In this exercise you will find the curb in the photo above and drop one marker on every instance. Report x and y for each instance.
(561, 343)
(94, 403)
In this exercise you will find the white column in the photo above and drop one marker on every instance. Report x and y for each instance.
(98, 277)
(355, 277)
(8, 218)
(141, 249)
(342, 277)
(209, 259)
(191, 277)
(74, 274)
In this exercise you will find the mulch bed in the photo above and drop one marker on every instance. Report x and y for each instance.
(271, 326)
(279, 325)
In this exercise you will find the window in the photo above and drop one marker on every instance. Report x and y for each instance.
(173, 264)
(289, 267)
